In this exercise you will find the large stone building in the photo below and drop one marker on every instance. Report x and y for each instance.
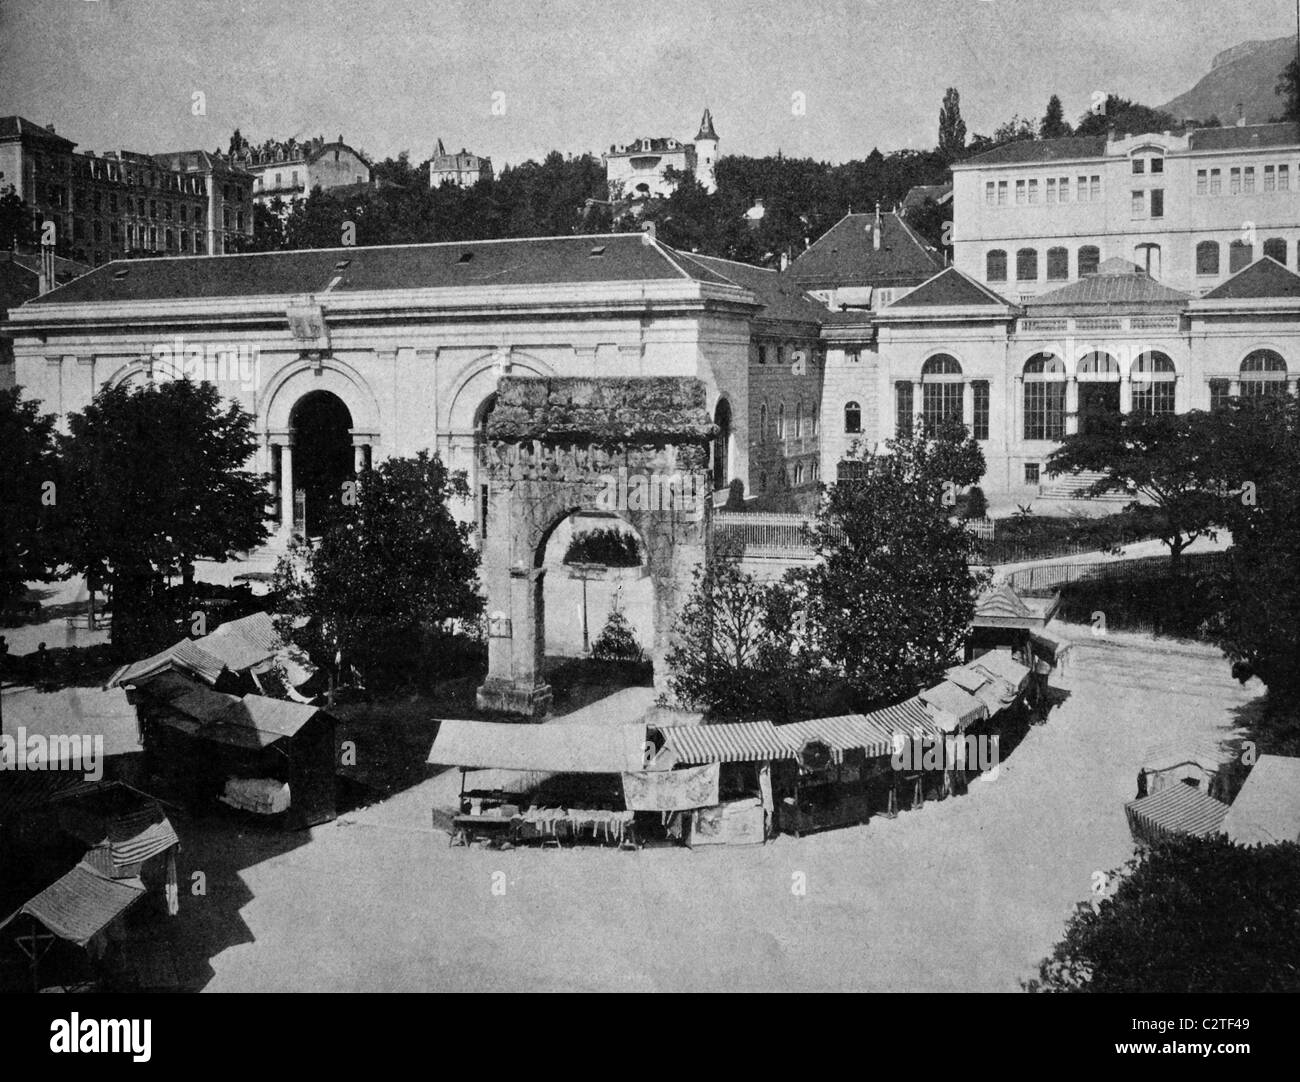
(463, 169)
(639, 169)
(289, 171)
(1191, 209)
(123, 203)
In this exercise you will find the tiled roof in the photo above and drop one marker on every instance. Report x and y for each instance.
(1247, 136)
(1028, 151)
(845, 255)
(917, 196)
(16, 127)
(948, 287)
(530, 261)
(782, 296)
(1265, 278)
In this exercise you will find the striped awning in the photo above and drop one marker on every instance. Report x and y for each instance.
(121, 839)
(81, 904)
(737, 742)
(909, 718)
(1176, 811)
(847, 732)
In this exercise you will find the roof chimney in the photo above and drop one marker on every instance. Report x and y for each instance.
(45, 277)
(1241, 115)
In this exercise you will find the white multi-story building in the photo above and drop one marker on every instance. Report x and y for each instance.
(1191, 209)
(639, 169)
(463, 169)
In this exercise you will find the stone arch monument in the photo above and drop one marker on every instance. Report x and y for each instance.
(638, 448)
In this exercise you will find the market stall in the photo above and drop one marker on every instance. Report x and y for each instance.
(569, 781)
(1194, 764)
(1177, 811)
(744, 753)
(841, 773)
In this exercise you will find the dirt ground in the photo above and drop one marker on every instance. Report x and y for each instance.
(967, 894)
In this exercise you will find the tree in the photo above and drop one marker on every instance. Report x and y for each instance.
(1126, 118)
(737, 648)
(1255, 448)
(393, 573)
(151, 479)
(28, 493)
(15, 220)
(1054, 125)
(1196, 915)
(892, 598)
(1164, 457)
(952, 129)
(268, 228)
(1288, 89)
(617, 640)
(1014, 130)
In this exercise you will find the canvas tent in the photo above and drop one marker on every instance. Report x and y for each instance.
(554, 748)
(1267, 810)
(1177, 811)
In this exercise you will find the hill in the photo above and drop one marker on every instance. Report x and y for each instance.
(1246, 74)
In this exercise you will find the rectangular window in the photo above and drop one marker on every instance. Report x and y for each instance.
(1157, 165)
(903, 413)
(1248, 179)
(1002, 193)
(1270, 179)
(1220, 392)
(1020, 193)
(1139, 166)
(1031, 473)
(1157, 202)
(1216, 181)
(1283, 178)
(1065, 189)
(990, 193)
(1081, 192)
(1033, 191)
(1044, 409)
(980, 422)
(1202, 182)
(1051, 189)
(1094, 188)
(1234, 181)
(1153, 397)
(940, 401)
(1139, 204)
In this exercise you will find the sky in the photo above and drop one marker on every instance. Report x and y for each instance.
(512, 79)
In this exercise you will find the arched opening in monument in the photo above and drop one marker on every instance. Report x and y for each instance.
(595, 564)
(322, 459)
(722, 445)
(481, 418)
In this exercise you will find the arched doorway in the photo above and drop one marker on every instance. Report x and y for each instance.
(595, 562)
(481, 417)
(1098, 391)
(722, 445)
(322, 456)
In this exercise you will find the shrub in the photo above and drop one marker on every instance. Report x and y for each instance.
(617, 640)
(610, 546)
(977, 506)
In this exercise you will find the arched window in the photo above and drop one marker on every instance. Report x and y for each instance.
(762, 423)
(1089, 260)
(995, 265)
(1058, 264)
(852, 418)
(798, 419)
(941, 389)
(1098, 367)
(1263, 372)
(1240, 255)
(1147, 256)
(1027, 265)
(1153, 379)
(780, 421)
(1044, 394)
(1275, 248)
(1207, 257)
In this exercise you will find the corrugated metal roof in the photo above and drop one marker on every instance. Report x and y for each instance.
(186, 656)
(1176, 810)
(81, 904)
(243, 643)
(556, 748)
(736, 742)
(1125, 288)
(1267, 810)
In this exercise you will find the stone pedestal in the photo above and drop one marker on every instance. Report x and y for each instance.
(515, 650)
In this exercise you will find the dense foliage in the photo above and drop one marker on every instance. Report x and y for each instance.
(151, 479)
(611, 547)
(27, 470)
(1196, 915)
(392, 572)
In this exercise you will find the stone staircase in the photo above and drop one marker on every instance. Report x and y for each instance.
(1074, 486)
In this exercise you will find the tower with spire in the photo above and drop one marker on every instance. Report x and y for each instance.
(706, 153)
